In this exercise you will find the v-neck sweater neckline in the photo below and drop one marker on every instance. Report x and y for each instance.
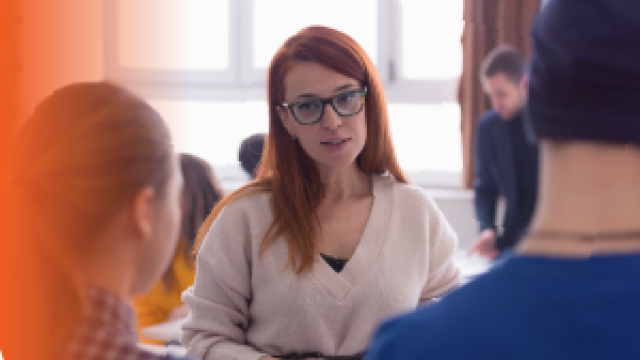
(339, 285)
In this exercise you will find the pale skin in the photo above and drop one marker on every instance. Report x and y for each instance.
(346, 206)
(138, 243)
(345, 209)
(586, 188)
(508, 99)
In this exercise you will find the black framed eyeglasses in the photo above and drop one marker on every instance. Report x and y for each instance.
(348, 103)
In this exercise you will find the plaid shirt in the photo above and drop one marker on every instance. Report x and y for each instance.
(109, 332)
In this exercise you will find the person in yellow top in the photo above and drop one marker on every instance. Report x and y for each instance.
(163, 302)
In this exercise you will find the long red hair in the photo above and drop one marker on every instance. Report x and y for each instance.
(286, 171)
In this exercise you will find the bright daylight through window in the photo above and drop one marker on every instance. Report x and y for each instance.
(414, 43)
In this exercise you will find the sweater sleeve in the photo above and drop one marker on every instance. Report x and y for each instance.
(219, 299)
(444, 274)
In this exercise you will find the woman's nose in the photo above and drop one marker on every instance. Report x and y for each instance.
(330, 118)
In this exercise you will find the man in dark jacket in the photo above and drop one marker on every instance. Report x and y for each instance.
(506, 160)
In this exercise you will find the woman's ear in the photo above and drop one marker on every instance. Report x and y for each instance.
(142, 213)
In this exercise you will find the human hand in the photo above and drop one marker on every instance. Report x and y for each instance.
(485, 245)
(179, 312)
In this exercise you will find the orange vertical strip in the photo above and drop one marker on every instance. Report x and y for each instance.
(44, 45)
(9, 66)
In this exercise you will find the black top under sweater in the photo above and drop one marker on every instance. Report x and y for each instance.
(336, 264)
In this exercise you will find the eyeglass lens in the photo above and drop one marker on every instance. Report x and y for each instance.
(345, 104)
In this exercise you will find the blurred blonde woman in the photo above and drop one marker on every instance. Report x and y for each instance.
(200, 194)
(97, 191)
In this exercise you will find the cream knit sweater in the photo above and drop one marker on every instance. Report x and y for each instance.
(246, 308)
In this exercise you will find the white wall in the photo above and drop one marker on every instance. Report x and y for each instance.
(457, 207)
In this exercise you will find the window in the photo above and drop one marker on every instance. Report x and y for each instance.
(273, 21)
(430, 39)
(213, 129)
(181, 34)
(421, 141)
(202, 64)
(169, 41)
(276, 20)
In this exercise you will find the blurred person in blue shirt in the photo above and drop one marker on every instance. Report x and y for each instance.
(570, 290)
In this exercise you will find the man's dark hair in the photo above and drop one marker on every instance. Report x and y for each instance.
(251, 152)
(507, 60)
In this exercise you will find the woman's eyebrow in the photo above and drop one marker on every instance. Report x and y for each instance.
(336, 90)
(344, 87)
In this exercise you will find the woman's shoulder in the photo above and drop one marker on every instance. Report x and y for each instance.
(254, 204)
(243, 215)
(405, 194)
(414, 208)
(236, 226)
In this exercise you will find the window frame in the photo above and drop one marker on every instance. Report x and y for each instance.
(160, 77)
(243, 82)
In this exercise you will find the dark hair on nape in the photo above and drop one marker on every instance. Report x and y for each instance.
(504, 59)
(250, 153)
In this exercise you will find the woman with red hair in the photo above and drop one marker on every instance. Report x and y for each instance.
(329, 239)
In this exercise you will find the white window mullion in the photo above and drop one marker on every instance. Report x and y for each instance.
(236, 25)
(386, 39)
(249, 75)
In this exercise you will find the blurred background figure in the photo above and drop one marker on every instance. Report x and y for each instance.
(97, 187)
(506, 161)
(250, 154)
(570, 289)
(200, 194)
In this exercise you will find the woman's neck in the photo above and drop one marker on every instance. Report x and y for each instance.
(110, 267)
(586, 188)
(345, 183)
(106, 276)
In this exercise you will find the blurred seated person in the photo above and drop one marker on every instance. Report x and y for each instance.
(98, 195)
(506, 160)
(250, 154)
(200, 194)
(570, 289)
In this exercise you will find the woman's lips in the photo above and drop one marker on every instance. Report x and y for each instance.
(334, 145)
